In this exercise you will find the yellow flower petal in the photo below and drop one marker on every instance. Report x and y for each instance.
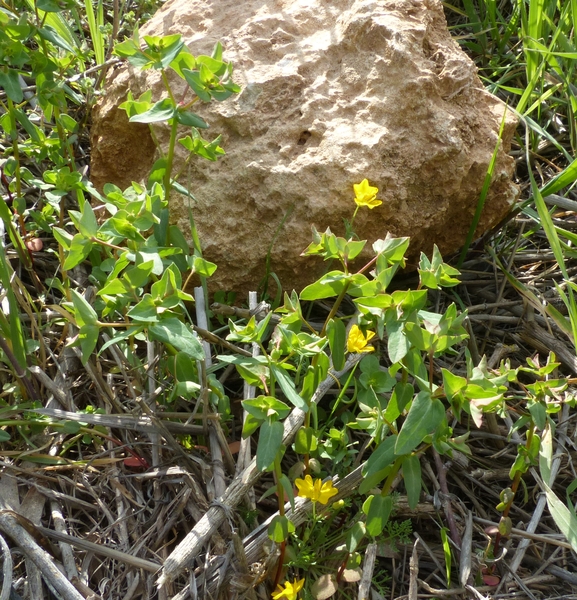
(289, 590)
(316, 490)
(327, 492)
(357, 342)
(305, 487)
(366, 195)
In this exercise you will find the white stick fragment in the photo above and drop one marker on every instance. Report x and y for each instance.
(201, 319)
(368, 569)
(248, 392)
(6, 570)
(45, 563)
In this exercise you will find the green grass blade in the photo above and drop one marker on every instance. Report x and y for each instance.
(564, 179)
(61, 26)
(548, 226)
(12, 326)
(533, 33)
(483, 195)
(95, 22)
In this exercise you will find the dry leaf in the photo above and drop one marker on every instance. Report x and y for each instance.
(352, 575)
(324, 587)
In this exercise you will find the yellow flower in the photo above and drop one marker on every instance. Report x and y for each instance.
(366, 195)
(357, 342)
(316, 491)
(289, 591)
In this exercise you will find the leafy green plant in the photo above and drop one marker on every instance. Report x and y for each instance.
(137, 257)
(399, 406)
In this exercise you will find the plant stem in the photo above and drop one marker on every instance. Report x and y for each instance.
(171, 143)
(391, 477)
(514, 487)
(455, 535)
(280, 495)
(19, 370)
(334, 309)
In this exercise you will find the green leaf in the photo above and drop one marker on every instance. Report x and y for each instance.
(371, 482)
(447, 553)
(138, 275)
(185, 368)
(305, 440)
(174, 332)
(32, 130)
(10, 83)
(163, 49)
(539, 414)
(95, 21)
(250, 425)
(86, 224)
(187, 389)
(87, 338)
(289, 489)
(215, 66)
(217, 51)
(328, 286)
(13, 329)
(252, 370)
(382, 457)
(392, 249)
(49, 5)
(397, 344)
(251, 332)
(263, 407)
(126, 49)
(203, 267)
(546, 453)
(425, 415)
(83, 312)
(135, 107)
(80, 248)
(354, 248)
(198, 86)
(288, 387)
(563, 179)
(163, 110)
(419, 337)
(337, 334)
(374, 377)
(280, 528)
(412, 477)
(50, 34)
(129, 332)
(269, 443)
(196, 144)
(184, 60)
(115, 287)
(71, 427)
(190, 119)
(402, 394)
(378, 510)
(145, 310)
(563, 517)
(453, 384)
(355, 536)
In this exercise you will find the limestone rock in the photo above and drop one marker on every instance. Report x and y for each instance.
(333, 92)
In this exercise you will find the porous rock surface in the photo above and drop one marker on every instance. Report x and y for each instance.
(333, 91)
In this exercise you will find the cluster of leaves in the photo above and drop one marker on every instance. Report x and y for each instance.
(402, 408)
(137, 257)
